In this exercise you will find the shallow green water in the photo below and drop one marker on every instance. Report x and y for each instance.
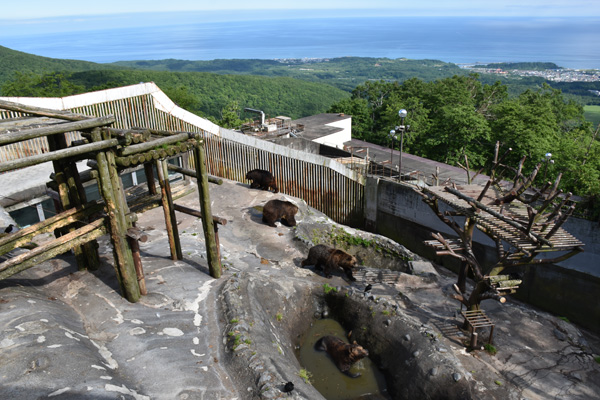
(327, 378)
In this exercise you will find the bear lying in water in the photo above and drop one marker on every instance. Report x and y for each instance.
(279, 209)
(343, 354)
(262, 179)
(330, 259)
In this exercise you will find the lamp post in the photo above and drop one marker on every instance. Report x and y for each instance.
(394, 135)
(548, 159)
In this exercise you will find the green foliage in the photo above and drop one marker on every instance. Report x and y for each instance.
(490, 348)
(597, 359)
(305, 375)
(219, 97)
(344, 72)
(459, 119)
(528, 66)
(329, 289)
(592, 114)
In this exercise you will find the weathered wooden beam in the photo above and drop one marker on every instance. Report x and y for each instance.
(192, 173)
(32, 133)
(153, 144)
(56, 155)
(45, 112)
(214, 261)
(509, 221)
(53, 248)
(133, 235)
(72, 194)
(198, 214)
(124, 264)
(169, 212)
(65, 218)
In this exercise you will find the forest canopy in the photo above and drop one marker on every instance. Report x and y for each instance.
(458, 117)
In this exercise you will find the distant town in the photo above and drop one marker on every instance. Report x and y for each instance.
(556, 75)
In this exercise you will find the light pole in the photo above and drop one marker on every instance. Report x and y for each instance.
(393, 134)
(548, 159)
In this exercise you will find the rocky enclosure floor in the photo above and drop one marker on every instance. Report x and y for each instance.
(68, 334)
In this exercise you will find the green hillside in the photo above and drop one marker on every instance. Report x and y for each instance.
(207, 94)
(345, 72)
(12, 61)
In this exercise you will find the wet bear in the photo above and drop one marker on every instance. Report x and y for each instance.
(343, 354)
(279, 209)
(330, 259)
(262, 179)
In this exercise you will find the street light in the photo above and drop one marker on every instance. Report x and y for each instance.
(400, 129)
(548, 159)
(393, 137)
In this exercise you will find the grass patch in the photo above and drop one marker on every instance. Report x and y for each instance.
(490, 348)
(305, 375)
(327, 288)
(592, 114)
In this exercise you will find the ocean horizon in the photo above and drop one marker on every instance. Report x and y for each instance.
(568, 42)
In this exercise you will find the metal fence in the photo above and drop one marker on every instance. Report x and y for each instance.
(323, 183)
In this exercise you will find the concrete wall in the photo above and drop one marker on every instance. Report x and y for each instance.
(569, 289)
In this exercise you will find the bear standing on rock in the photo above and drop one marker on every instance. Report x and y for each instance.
(262, 179)
(330, 259)
(279, 209)
(342, 353)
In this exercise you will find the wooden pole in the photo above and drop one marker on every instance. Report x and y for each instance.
(133, 235)
(192, 173)
(167, 203)
(49, 250)
(149, 172)
(72, 194)
(46, 112)
(152, 144)
(214, 262)
(31, 133)
(56, 155)
(124, 265)
(65, 218)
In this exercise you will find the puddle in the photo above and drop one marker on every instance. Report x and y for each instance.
(327, 378)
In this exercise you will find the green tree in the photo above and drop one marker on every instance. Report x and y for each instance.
(230, 116)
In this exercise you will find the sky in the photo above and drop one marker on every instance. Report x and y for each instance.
(34, 9)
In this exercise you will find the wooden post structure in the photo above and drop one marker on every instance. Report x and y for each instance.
(214, 262)
(72, 194)
(169, 211)
(149, 172)
(124, 264)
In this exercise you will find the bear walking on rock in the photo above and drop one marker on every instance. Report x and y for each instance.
(343, 354)
(330, 259)
(262, 179)
(282, 210)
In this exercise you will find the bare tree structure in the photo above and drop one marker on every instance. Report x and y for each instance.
(523, 221)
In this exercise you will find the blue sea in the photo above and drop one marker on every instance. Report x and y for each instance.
(568, 42)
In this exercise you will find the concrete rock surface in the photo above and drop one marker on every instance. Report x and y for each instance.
(68, 334)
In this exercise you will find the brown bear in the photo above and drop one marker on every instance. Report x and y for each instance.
(279, 209)
(330, 259)
(262, 179)
(343, 354)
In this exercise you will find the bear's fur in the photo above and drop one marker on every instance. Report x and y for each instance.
(262, 179)
(329, 259)
(282, 210)
(343, 354)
